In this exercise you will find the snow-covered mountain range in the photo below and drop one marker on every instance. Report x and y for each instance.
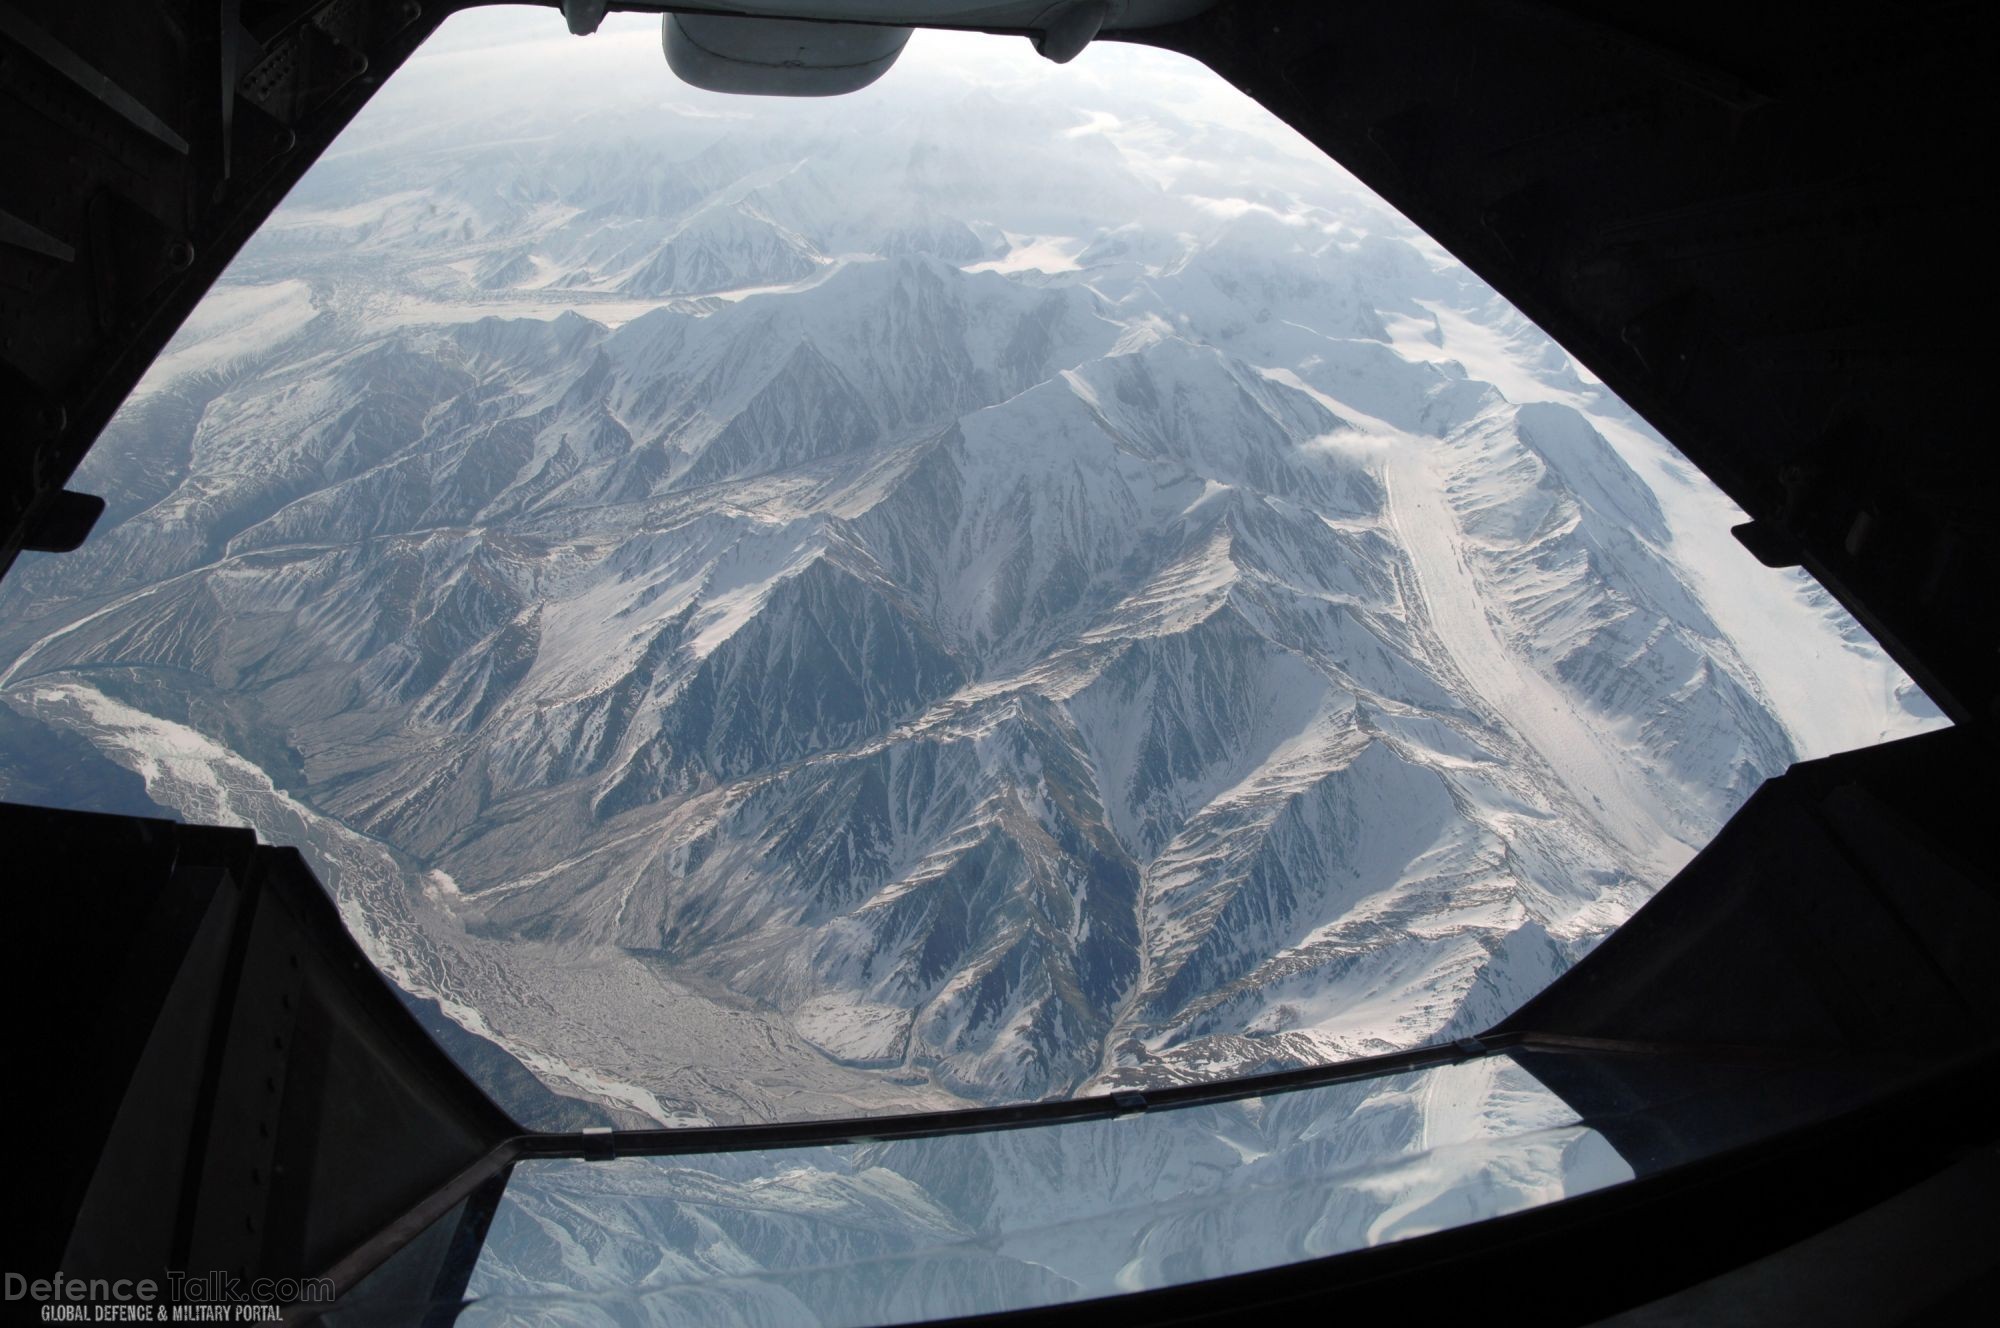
(989, 589)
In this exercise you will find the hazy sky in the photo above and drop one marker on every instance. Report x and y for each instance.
(486, 58)
(535, 43)
(1174, 121)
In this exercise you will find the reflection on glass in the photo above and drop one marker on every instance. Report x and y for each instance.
(918, 1229)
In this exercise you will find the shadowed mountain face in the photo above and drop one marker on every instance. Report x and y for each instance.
(801, 611)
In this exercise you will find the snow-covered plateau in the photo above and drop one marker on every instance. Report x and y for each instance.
(1015, 583)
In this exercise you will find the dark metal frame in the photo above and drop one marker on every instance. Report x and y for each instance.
(1710, 204)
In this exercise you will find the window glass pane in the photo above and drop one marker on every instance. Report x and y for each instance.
(931, 1228)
